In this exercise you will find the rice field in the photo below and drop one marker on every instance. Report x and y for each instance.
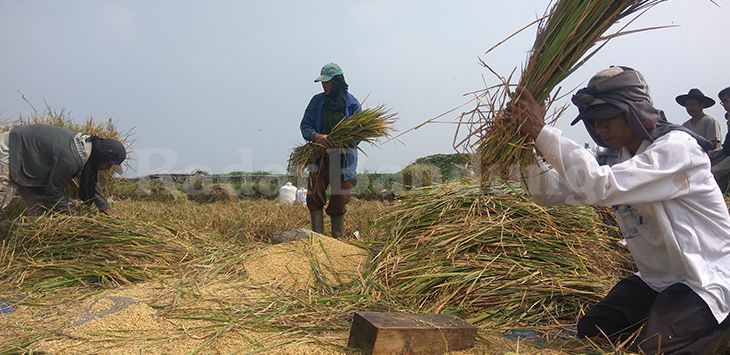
(190, 277)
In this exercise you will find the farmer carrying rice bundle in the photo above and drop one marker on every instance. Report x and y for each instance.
(336, 167)
(668, 205)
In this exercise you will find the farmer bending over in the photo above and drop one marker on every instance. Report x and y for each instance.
(40, 161)
(335, 167)
(669, 209)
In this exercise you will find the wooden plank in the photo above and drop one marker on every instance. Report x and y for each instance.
(407, 333)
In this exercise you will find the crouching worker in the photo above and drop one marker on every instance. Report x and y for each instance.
(668, 206)
(39, 161)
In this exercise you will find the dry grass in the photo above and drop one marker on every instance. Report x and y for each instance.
(58, 250)
(494, 255)
(211, 304)
(247, 220)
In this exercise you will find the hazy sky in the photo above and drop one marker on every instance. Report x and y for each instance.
(222, 85)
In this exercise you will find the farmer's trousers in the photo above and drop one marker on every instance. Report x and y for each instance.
(328, 172)
(675, 321)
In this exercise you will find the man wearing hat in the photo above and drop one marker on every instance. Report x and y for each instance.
(335, 167)
(39, 161)
(705, 125)
(668, 207)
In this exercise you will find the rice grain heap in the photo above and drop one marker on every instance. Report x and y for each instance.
(568, 35)
(497, 256)
(316, 261)
(364, 126)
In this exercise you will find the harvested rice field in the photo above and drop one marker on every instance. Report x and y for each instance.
(190, 277)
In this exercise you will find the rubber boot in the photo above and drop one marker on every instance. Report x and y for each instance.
(317, 221)
(338, 226)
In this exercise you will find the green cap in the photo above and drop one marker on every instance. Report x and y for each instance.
(328, 72)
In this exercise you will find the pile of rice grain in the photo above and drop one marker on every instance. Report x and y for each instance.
(299, 265)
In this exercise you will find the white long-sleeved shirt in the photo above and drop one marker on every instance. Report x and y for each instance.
(668, 205)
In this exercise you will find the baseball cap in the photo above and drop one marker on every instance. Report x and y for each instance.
(328, 72)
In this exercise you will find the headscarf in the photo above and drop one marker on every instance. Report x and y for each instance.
(626, 89)
(102, 151)
(337, 97)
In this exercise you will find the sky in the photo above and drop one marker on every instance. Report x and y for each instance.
(222, 85)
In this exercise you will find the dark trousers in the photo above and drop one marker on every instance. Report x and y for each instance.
(675, 321)
(320, 178)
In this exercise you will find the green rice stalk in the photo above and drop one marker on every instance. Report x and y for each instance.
(57, 251)
(571, 33)
(365, 126)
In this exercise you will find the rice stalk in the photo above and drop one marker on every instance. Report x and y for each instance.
(365, 126)
(497, 256)
(55, 251)
(568, 35)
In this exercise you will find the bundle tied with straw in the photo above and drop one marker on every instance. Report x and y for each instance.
(364, 126)
(568, 35)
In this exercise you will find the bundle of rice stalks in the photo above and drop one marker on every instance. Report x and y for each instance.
(215, 193)
(364, 126)
(498, 256)
(568, 35)
(158, 190)
(420, 175)
(61, 250)
(123, 188)
(167, 195)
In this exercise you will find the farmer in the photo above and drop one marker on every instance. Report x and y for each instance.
(335, 167)
(668, 206)
(39, 161)
(721, 163)
(705, 125)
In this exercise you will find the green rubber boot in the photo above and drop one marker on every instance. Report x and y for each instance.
(338, 226)
(317, 221)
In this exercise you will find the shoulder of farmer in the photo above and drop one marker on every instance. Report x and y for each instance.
(353, 103)
(315, 101)
(312, 108)
(309, 120)
(675, 148)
